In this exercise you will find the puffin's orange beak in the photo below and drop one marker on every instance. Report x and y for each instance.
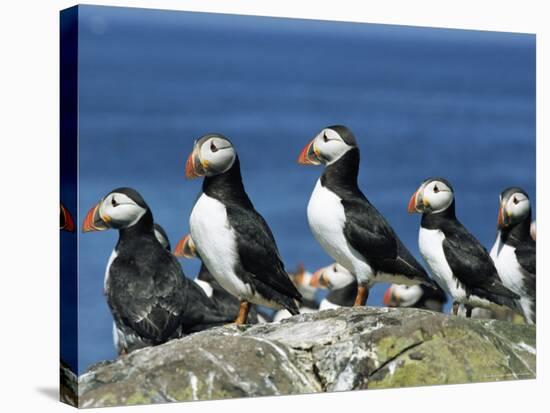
(309, 155)
(388, 297)
(298, 277)
(500, 220)
(194, 167)
(94, 221)
(314, 281)
(317, 279)
(185, 248)
(413, 202)
(66, 221)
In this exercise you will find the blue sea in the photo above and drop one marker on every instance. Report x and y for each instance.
(422, 102)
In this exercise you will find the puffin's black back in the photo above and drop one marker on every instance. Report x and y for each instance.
(365, 228)
(468, 259)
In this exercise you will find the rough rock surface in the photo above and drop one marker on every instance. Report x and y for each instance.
(68, 385)
(332, 350)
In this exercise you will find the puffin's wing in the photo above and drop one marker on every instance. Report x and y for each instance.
(367, 231)
(370, 234)
(472, 266)
(150, 301)
(526, 254)
(258, 252)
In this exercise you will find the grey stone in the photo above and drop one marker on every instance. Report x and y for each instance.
(333, 350)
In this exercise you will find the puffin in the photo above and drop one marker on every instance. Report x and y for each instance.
(459, 263)
(415, 296)
(150, 299)
(120, 340)
(66, 220)
(231, 237)
(348, 227)
(303, 280)
(342, 286)
(514, 251)
(227, 303)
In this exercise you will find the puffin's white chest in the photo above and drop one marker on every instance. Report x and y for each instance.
(108, 269)
(512, 275)
(508, 268)
(430, 243)
(326, 217)
(216, 243)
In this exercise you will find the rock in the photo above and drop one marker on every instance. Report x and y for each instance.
(332, 350)
(68, 385)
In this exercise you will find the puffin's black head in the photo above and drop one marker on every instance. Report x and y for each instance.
(328, 146)
(514, 207)
(119, 209)
(433, 196)
(66, 220)
(212, 154)
(162, 237)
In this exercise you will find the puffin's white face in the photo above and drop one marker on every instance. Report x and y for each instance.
(432, 197)
(330, 146)
(120, 211)
(402, 295)
(333, 276)
(514, 207)
(326, 148)
(212, 155)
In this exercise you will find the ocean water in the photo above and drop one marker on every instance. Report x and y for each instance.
(422, 102)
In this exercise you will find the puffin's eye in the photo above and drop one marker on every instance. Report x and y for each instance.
(114, 203)
(213, 147)
(516, 201)
(325, 138)
(335, 269)
(436, 189)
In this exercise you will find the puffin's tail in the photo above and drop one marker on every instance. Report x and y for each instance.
(505, 301)
(287, 295)
(431, 284)
(499, 294)
(292, 307)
